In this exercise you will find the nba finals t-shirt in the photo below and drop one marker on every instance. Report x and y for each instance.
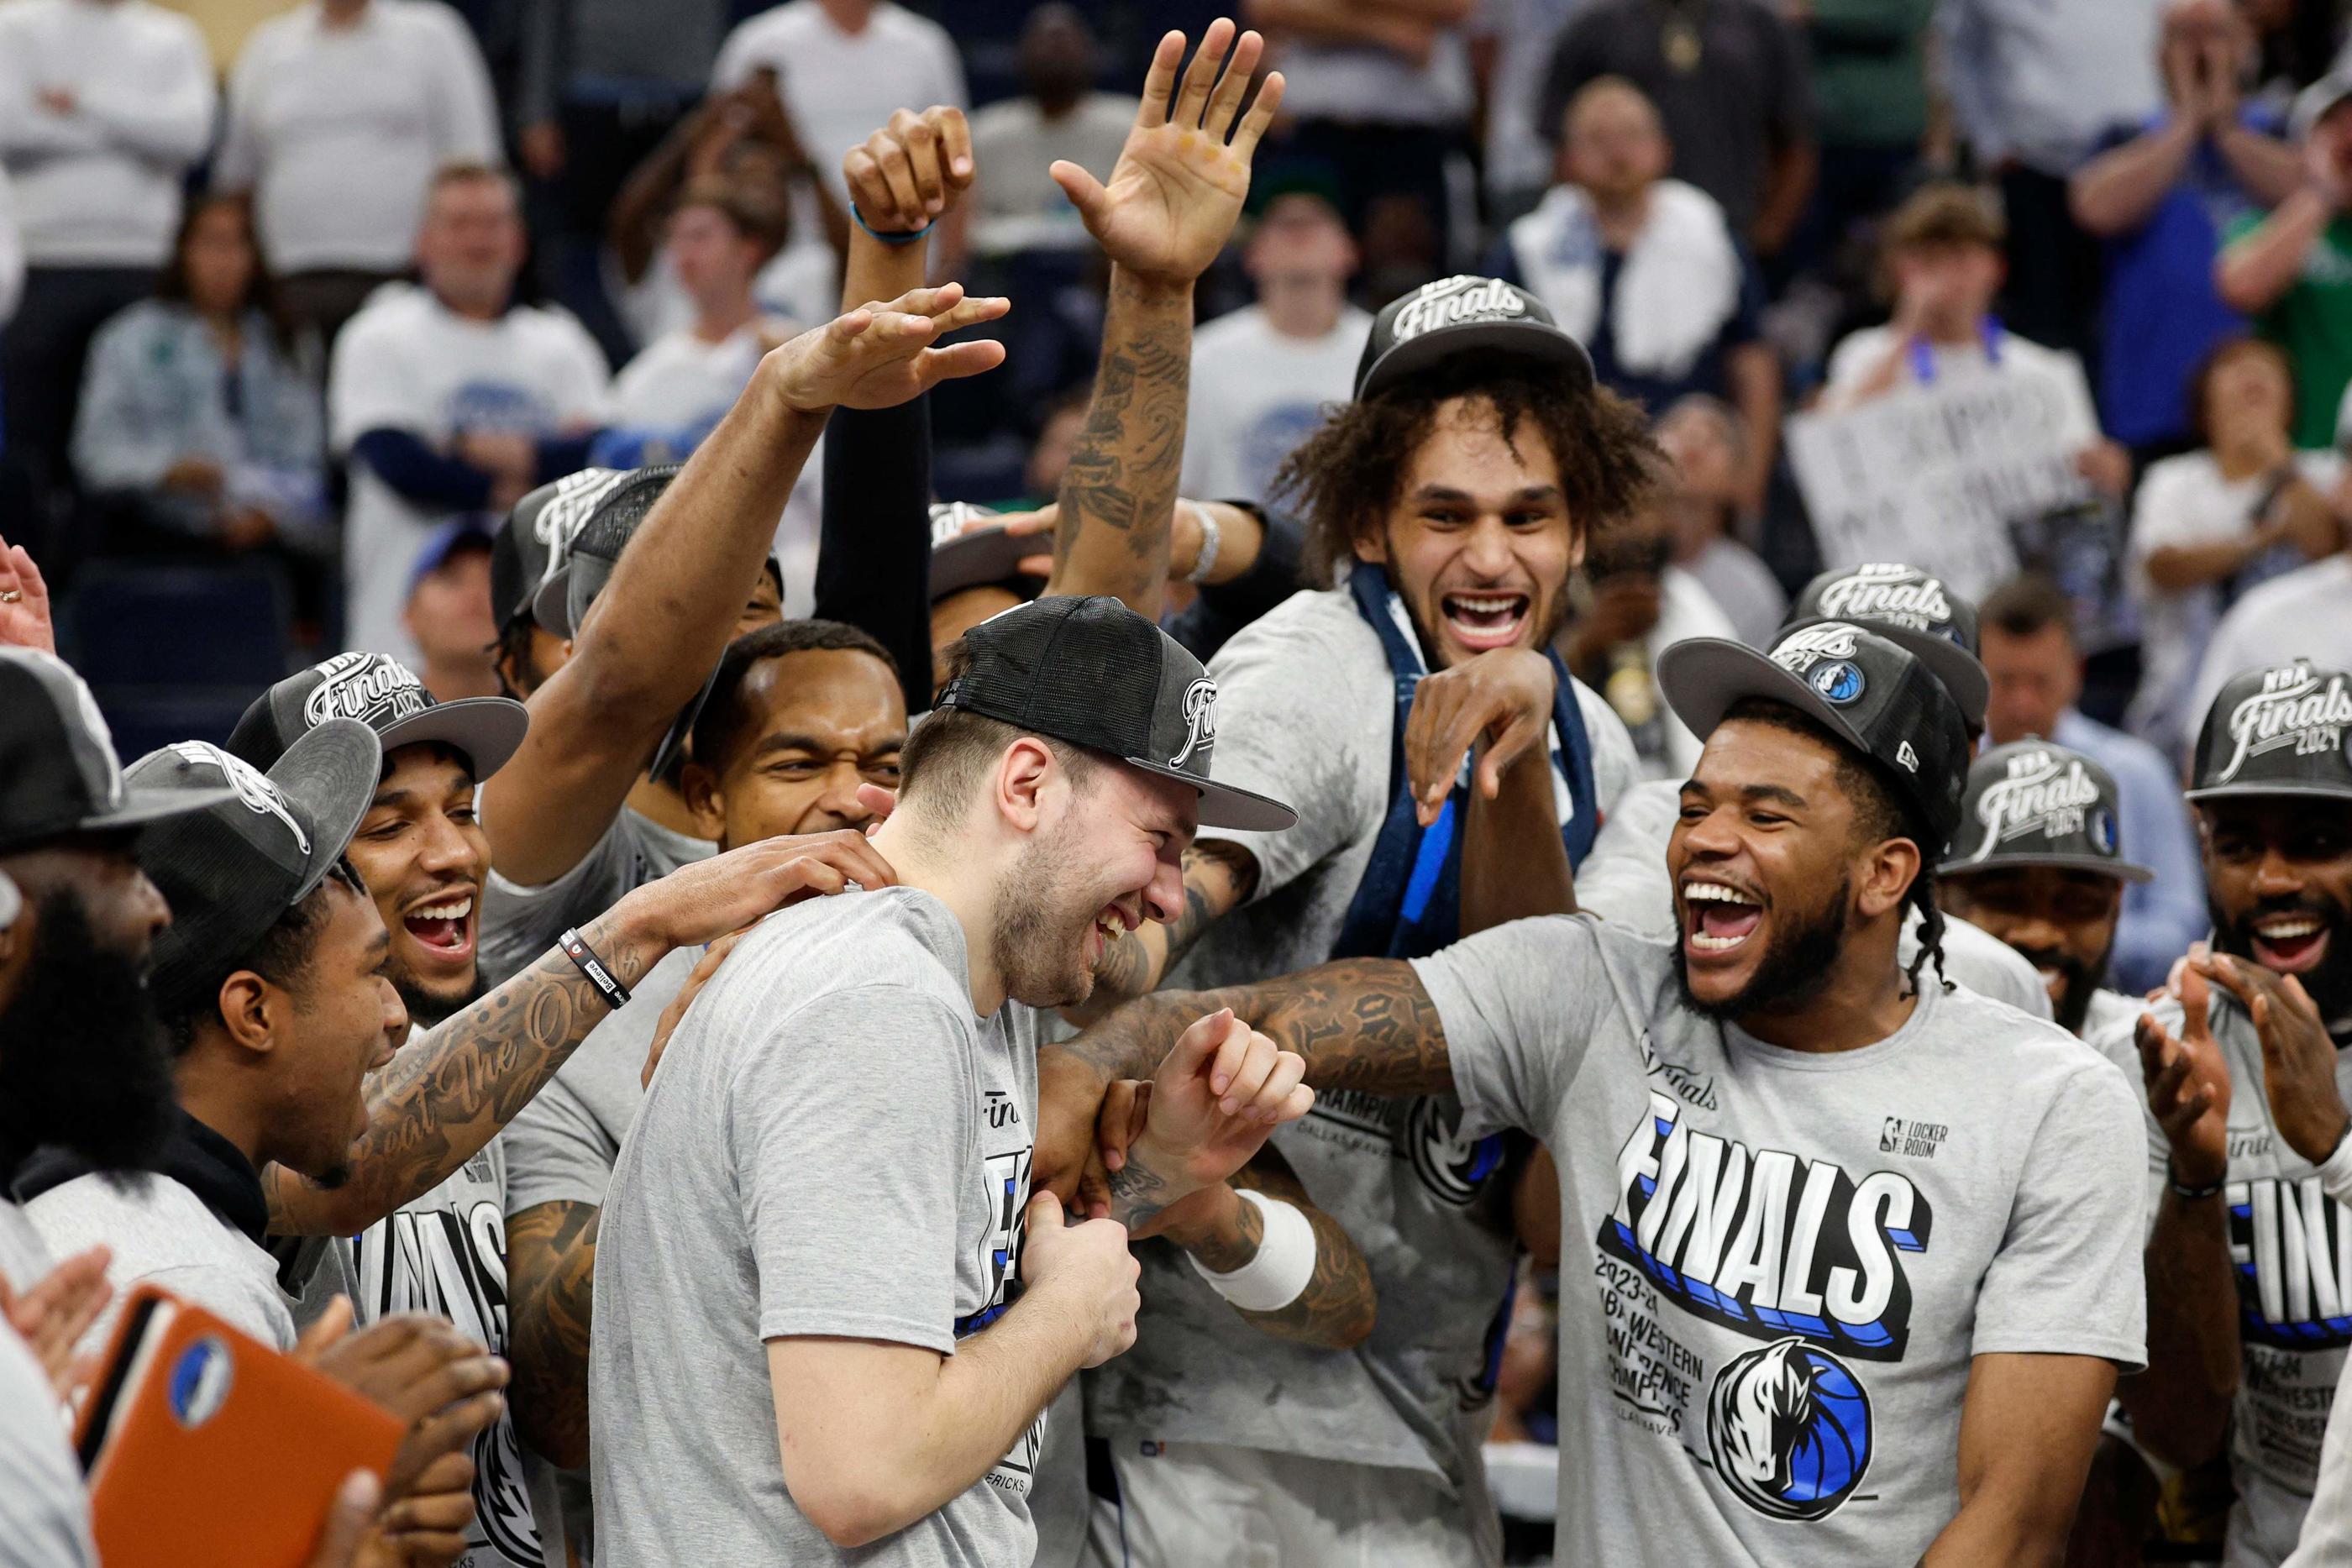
(1775, 1265)
(834, 1146)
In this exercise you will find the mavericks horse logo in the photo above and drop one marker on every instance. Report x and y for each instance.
(1789, 1425)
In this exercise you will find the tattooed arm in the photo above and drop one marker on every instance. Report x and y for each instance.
(1334, 1310)
(551, 1276)
(447, 1092)
(1219, 877)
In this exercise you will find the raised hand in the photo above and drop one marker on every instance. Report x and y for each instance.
(1503, 697)
(2298, 1057)
(881, 355)
(1217, 1094)
(2189, 1085)
(55, 1314)
(705, 901)
(25, 620)
(1177, 189)
(912, 171)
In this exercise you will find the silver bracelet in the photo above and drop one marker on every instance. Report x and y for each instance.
(1212, 536)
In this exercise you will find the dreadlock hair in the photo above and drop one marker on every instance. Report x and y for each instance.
(1880, 811)
(277, 955)
(1346, 476)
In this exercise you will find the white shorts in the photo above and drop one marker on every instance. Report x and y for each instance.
(1184, 1504)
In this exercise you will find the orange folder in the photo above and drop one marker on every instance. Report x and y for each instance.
(206, 1449)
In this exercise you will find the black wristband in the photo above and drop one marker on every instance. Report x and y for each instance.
(575, 947)
(2191, 1194)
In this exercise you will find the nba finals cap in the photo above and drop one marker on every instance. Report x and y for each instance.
(1093, 673)
(381, 694)
(1455, 316)
(1914, 608)
(263, 844)
(1869, 691)
(58, 773)
(585, 530)
(2032, 802)
(2279, 731)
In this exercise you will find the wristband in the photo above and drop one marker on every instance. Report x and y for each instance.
(2182, 1190)
(1211, 537)
(2336, 1170)
(1284, 1264)
(909, 238)
(575, 947)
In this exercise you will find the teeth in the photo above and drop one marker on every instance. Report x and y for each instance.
(2286, 930)
(1712, 893)
(1707, 944)
(1463, 602)
(458, 910)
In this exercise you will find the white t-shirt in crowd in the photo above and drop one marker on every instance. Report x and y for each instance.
(1256, 394)
(406, 363)
(98, 185)
(1364, 82)
(2298, 616)
(843, 87)
(338, 129)
(1020, 206)
(2185, 500)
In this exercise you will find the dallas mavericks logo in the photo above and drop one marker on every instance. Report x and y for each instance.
(1453, 1168)
(1840, 683)
(1200, 720)
(2103, 830)
(1789, 1425)
(369, 687)
(252, 787)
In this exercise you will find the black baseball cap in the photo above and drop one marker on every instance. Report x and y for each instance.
(381, 692)
(1093, 673)
(262, 843)
(2276, 731)
(1458, 315)
(600, 519)
(1914, 608)
(58, 773)
(981, 556)
(1869, 691)
(2033, 802)
(538, 534)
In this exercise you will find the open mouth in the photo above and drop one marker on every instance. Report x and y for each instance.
(2290, 944)
(1483, 621)
(444, 929)
(1717, 917)
(1112, 922)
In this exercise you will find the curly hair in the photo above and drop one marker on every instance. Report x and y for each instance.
(1347, 476)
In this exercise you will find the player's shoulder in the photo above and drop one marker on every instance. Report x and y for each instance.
(1320, 619)
(847, 949)
(2031, 1058)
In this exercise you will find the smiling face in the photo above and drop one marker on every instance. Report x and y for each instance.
(422, 854)
(2278, 880)
(819, 722)
(1479, 542)
(1105, 858)
(344, 1021)
(2060, 919)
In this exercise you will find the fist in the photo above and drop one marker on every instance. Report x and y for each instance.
(911, 171)
(1088, 1269)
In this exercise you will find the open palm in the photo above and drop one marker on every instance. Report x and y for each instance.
(1177, 189)
(878, 356)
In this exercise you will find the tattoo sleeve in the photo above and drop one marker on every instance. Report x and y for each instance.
(551, 1279)
(1219, 877)
(449, 1090)
(1118, 495)
(1336, 1310)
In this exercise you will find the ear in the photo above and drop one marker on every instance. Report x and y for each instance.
(1887, 873)
(700, 785)
(1580, 538)
(1022, 775)
(1373, 547)
(252, 1012)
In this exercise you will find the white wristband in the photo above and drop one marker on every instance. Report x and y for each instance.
(1212, 534)
(2335, 1171)
(1285, 1260)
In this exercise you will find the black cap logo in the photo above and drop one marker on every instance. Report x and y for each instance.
(1899, 594)
(1452, 301)
(576, 494)
(1801, 650)
(369, 687)
(1200, 722)
(2292, 708)
(252, 787)
(2044, 796)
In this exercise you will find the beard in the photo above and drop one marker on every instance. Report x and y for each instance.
(83, 1063)
(1795, 967)
(1041, 942)
(2081, 983)
(428, 1009)
(2329, 983)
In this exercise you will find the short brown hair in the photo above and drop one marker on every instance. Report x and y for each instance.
(950, 751)
(2027, 604)
(468, 172)
(1347, 476)
(1944, 212)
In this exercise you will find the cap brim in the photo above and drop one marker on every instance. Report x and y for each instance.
(2122, 870)
(486, 729)
(1703, 678)
(2255, 786)
(1521, 338)
(1961, 672)
(982, 557)
(330, 775)
(1222, 805)
(140, 807)
(551, 606)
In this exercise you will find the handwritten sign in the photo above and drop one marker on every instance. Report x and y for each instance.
(1935, 476)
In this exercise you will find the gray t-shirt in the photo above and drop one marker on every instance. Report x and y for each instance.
(1791, 1256)
(561, 1147)
(161, 1233)
(518, 923)
(43, 1505)
(834, 1146)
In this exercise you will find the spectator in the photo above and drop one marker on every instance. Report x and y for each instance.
(2297, 616)
(339, 113)
(103, 106)
(448, 616)
(1645, 272)
(1510, 48)
(2293, 269)
(2209, 524)
(1261, 375)
(1729, 81)
(2027, 641)
(450, 398)
(200, 422)
(1701, 436)
(2034, 84)
(2159, 198)
(1061, 117)
(1870, 109)
(1382, 94)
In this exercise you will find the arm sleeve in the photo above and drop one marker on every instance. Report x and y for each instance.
(169, 121)
(403, 460)
(848, 1178)
(1221, 609)
(874, 544)
(466, 113)
(2073, 1238)
(1519, 1004)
